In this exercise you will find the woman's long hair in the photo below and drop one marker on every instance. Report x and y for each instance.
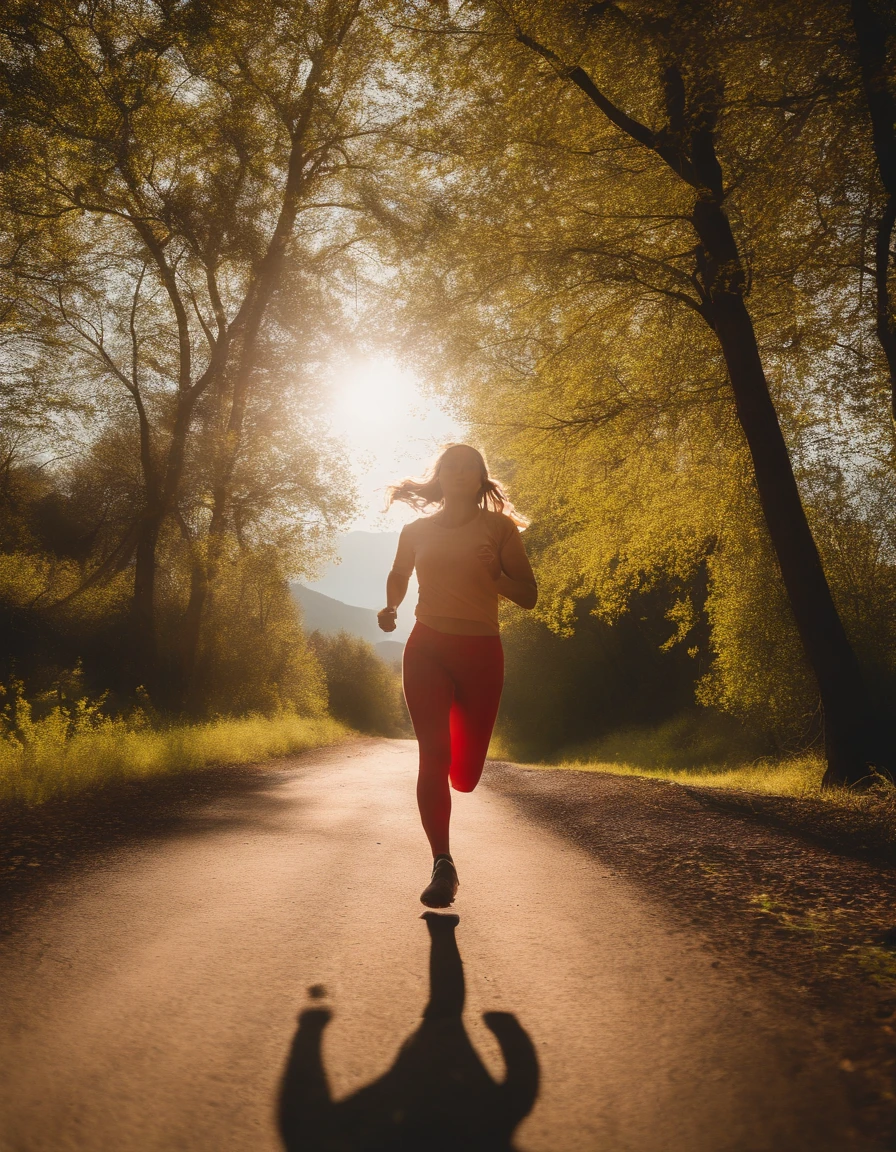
(427, 492)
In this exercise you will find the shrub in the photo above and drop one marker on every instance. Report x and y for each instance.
(254, 655)
(364, 692)
(568, 690)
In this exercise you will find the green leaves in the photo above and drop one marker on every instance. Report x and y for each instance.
(176, 222)
(563, 300)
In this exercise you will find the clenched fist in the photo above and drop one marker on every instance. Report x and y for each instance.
(386, 618)
(489, 558)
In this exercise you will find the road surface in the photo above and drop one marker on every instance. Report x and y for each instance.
(256, 979)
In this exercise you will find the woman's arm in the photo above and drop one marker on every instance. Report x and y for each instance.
(396, 590)
(397, 580)
(512, 572)
(522, 592)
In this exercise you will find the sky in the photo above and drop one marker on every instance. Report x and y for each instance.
(390, 430)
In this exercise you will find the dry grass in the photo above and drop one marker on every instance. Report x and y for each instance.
(789, 789)
(705, 750)
(799, 776)
(60, 755)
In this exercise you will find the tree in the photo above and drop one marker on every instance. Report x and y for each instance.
(875, 29)
(169, 169)
(690, 109)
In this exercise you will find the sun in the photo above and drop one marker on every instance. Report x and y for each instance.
(377, 392)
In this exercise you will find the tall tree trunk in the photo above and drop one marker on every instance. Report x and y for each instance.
(171, 692)
(143, 617)
(852, 742)
(849, 729)
(885, 314)
(254, 310)
(191, 635)
(872, 35)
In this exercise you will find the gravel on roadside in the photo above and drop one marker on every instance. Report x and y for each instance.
(775, 885)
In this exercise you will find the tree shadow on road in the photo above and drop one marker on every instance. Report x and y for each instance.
(438, 1096)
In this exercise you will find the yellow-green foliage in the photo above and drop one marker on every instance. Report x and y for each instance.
(758, 672)
(37, 580)
(254, 656)
(24, 579)
(69, 751)
(363, 691)
(558, 301)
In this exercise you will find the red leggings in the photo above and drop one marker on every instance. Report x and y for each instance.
(452, 685)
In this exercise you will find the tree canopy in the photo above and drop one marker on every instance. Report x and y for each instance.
(643, 267)
(180, 195)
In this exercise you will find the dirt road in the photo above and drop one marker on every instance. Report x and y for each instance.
(152, 1000)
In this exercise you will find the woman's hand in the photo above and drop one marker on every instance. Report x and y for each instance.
(386, 618)
(489, 558)
(396, 588)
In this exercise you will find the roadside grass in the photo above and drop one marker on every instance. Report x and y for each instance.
(703, 750)
(60, 755)
(798, 776)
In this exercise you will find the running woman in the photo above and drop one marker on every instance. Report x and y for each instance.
(467, 553)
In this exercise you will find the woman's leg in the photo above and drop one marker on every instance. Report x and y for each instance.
(428, 690)
(477, 669)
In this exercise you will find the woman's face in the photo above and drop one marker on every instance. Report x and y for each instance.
(460, 473)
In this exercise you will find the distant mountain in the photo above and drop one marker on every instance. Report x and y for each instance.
(324, 614)
(390, 650)
(360, 576)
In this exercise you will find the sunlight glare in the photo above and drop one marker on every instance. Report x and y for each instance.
(375, 392)
(390, 429)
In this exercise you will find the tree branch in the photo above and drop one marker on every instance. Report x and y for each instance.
(637, 131)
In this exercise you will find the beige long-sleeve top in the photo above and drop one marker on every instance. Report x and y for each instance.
(453, 580)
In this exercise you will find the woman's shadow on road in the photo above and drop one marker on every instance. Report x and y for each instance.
(437, 1097)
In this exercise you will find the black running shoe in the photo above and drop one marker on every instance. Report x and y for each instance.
(442, 888)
